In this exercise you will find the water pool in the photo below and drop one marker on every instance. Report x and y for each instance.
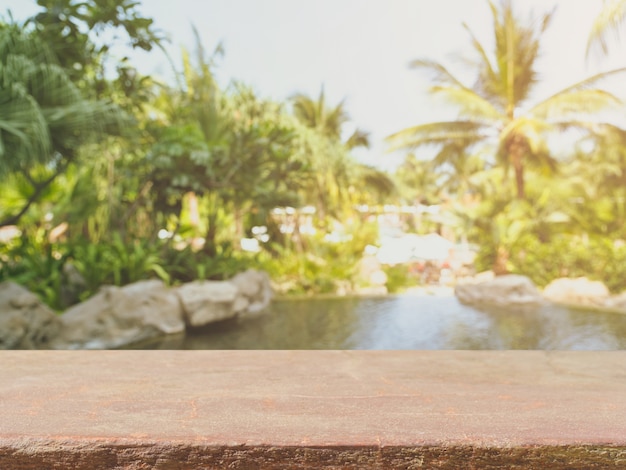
(407, 322)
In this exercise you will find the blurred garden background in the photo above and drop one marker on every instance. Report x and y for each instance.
(109, 175)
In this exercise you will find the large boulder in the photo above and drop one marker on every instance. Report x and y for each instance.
(254, 292)
(25, 321)
(577, 291)
(246, 294)
(510, 290)
(616, 302)
(206, 302)
(118, 316)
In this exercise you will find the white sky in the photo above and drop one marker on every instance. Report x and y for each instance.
(359, 50)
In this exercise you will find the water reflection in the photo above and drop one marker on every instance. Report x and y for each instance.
(408, 322)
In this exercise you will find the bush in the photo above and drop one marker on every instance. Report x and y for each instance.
(399, 277)
(39, 268)
(572, 256)
(187, 264)
(323, 269)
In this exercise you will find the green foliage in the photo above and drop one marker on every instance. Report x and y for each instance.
(609, 20)
(572, 256)
(39, 266)
(44, 119)
(321, 270)
(399, 277)
(41, 108)
(73, 29)
(324, 266)
(188, 264)
(36, 266)
(117, 262)
(493, 113)
(328, 121)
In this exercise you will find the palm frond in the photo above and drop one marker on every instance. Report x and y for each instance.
(315, 114)
(358, 138)
(436, 133)
(593, 80)
(574, 103)
(371, 178)
(24, 136)
(589, 127)
(470, 104)
(517, 47)
(453, 153)
(528, 125)
(439, 73)
(42, 112)
(570, 94)
(487, 73)
(608, 21)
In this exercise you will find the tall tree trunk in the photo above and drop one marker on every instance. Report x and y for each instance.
(239, 232)
(194, 211)
(210, 246)
(499, 265)
(519, 179)
(517, 148)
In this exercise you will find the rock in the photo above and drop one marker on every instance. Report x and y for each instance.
(207, 301)
(616, 302)
(477, 278)
(73, 283)
(25, 321)
(249, 283)
(578, 291)
(118, 316)
(255, 292)
(508, 290)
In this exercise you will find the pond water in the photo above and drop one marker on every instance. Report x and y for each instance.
(407, 322)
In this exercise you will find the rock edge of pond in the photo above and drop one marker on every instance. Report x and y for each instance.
(120, 316)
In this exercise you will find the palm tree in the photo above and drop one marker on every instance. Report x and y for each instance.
(495, 110)
(327, 155)
(417, 182)
(608, 20)
(329, 121)
(44, 119)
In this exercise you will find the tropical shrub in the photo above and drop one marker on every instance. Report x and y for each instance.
(37, 267)
(572, 256)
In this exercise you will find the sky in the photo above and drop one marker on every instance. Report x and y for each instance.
(359, 50)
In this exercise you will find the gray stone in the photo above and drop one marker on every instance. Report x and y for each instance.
(118, 316)
(249, 282)
(205, 302)
(255, 292)
(73, 284)
(509, 290)
(577, 291)
(25, 321)
(241, 304)
(616, 302)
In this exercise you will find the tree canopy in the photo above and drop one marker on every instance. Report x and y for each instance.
(495, 109)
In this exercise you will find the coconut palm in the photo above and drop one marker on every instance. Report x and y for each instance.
(496, 109)
(609, 20)
(328, 120)
(334, 172)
